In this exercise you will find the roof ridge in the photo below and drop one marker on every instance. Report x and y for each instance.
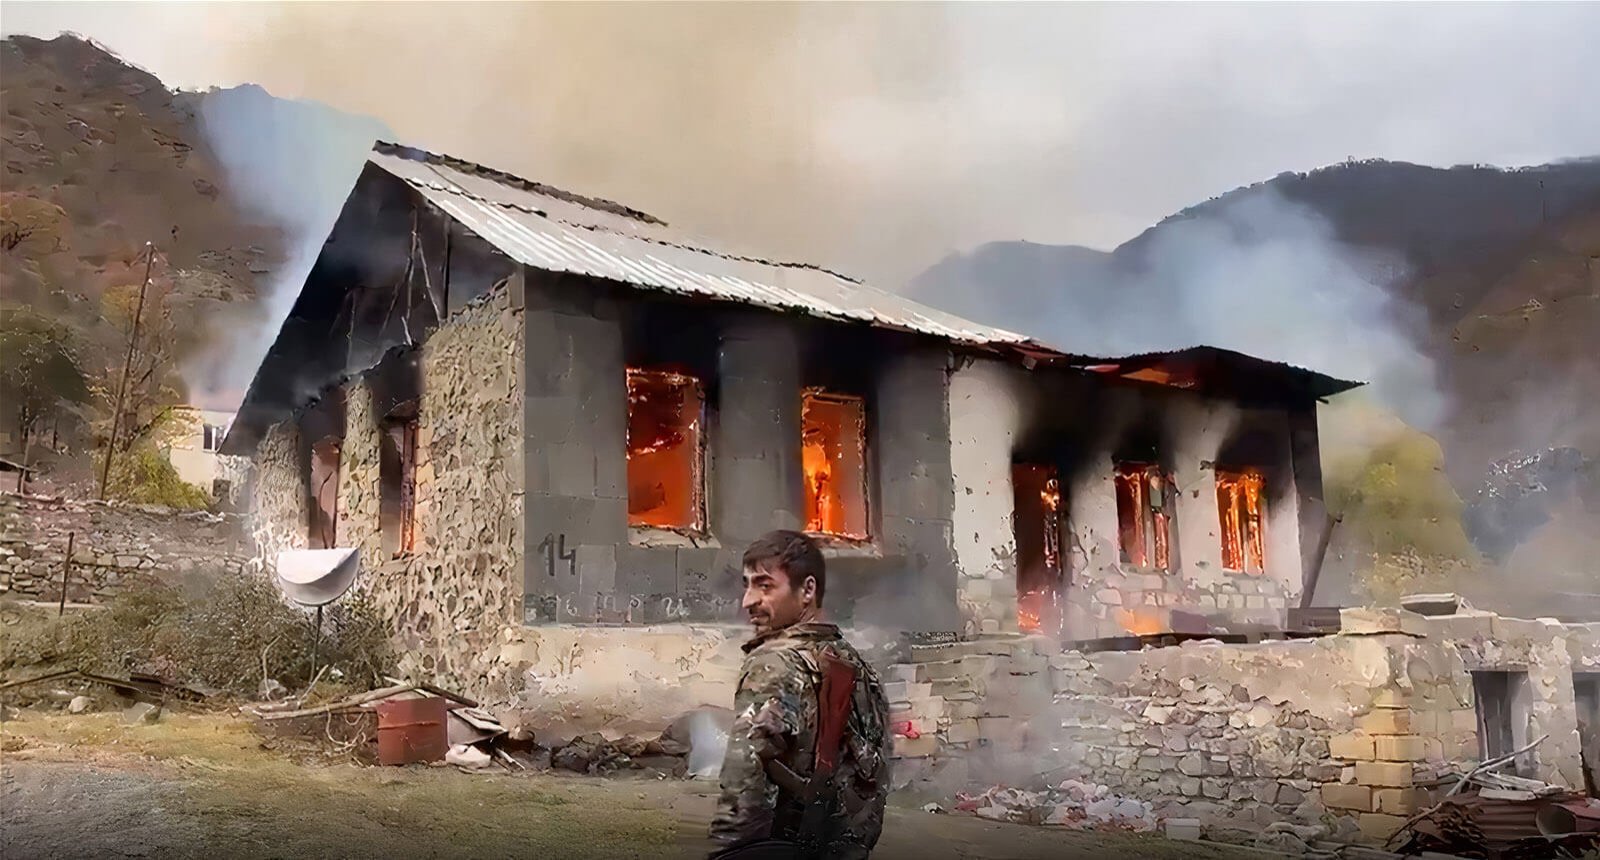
(418, 154)
(685, 246)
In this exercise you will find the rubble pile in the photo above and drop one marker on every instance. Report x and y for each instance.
(1505, 817)
(1072, 804)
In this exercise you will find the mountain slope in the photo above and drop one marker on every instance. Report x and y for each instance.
(1492, 275)
(100, 158)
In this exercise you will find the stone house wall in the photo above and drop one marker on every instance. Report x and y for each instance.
(999, 412)
(277, 496)
(112, 544)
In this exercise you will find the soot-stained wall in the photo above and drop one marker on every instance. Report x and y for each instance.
(586, 565)
(1077, 423)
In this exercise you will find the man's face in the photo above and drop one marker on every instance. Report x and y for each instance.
(771, 601)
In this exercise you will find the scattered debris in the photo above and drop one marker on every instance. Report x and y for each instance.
(78, 705)
(142, 713)
(1498, 815)
(468, 757)
(933, 808)
(140, 686)
(1072, 804)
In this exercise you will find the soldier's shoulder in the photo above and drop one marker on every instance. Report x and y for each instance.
(774, 659)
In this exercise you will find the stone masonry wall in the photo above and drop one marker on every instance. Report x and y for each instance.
(359, 522)
(113, 543)
(1343, 727)
(457, 601)
(278, 496)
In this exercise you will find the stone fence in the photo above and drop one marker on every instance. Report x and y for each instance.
(1353, 726)
(111, 543)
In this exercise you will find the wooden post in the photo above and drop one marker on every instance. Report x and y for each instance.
(66, 572)
(127, 367)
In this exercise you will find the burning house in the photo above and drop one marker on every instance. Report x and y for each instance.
(550, 424)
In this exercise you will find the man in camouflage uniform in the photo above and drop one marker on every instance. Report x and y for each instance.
(776, 712)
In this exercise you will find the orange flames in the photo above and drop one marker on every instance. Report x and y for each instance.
(664, 466)
(1141, 623)
(1239, 508)
(833, 459)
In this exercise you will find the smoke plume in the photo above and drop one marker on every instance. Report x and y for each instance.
(292, 164)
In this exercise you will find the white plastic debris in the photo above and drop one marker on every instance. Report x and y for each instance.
(468, 757)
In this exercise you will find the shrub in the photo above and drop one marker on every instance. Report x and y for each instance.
(217, 636)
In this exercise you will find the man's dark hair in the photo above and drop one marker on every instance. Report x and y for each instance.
(796, 553)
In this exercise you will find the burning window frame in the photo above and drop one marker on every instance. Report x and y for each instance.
(856, 525)
(697, 523)
(1242, 518)
(1146, 531)
(1038, 602)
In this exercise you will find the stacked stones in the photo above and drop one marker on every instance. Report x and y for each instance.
(1383, 760)
(960, 696)
(112, 543)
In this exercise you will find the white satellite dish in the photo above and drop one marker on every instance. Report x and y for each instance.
(316, 577)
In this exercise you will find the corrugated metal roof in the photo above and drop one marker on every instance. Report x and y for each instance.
(602, 240)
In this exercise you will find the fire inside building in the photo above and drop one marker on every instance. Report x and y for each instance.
(550, 425)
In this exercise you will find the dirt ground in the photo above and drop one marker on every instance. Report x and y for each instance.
(203, 785)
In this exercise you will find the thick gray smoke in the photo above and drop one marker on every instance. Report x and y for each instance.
(1258, 274)
(291, 164)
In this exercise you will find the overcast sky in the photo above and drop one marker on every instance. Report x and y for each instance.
(880, 138)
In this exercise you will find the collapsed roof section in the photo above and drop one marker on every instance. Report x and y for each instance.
(549, 229)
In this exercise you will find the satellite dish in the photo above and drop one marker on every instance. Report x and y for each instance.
(316, 577)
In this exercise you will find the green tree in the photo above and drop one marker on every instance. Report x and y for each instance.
(40, 374)
(1399, 510)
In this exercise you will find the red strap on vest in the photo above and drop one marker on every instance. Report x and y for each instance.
(834, 700)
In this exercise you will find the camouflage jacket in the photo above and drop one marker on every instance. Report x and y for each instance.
(775, 716)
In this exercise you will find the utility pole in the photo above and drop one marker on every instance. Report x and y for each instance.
(127, 367)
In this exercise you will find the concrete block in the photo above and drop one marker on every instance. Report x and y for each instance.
(1378, 826)
(1400, 748)
(1354, 746)
(1185, 829)
(1398, 801)
(1384, 774)
(1353, 797)
(1391, 698)
(1371, 620)
(1386, 721)
(920, 747)
(962, 731)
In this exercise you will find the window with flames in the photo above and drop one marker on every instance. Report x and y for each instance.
(666, 452)
(1240, 510)
(1146, 504)
(834, 461)
(1036, 526)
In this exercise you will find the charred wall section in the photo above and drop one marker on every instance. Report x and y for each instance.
(586, 564)
(1082, 426)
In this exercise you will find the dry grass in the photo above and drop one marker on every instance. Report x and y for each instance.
(266, 805)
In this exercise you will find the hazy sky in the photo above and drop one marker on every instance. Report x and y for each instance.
(878, 138)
